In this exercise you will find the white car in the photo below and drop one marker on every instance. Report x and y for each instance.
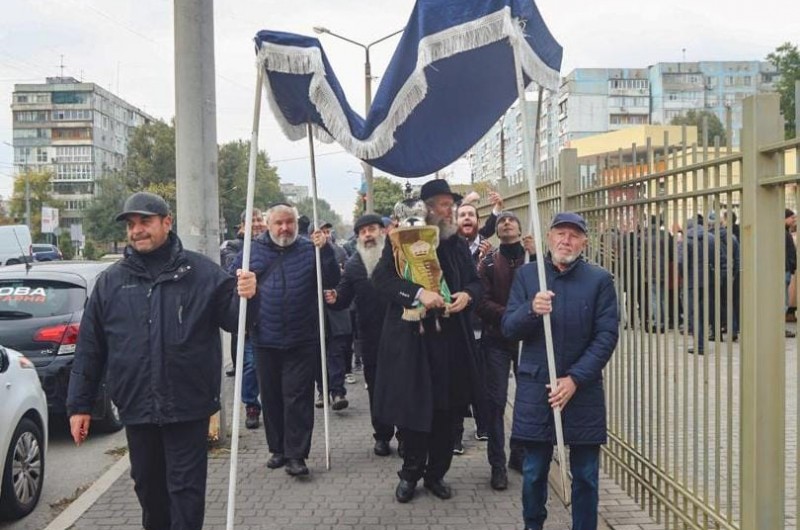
(23, 435)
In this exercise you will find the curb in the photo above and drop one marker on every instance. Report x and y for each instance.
(78, 507)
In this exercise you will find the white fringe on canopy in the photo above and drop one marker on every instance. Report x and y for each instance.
(468, 36)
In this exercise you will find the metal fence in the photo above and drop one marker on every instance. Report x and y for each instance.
(702, 389)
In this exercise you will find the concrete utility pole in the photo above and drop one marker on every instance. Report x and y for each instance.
(196, 140)
(196, 127)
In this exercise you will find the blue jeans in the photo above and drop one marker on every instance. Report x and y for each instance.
(249, 379)
(584, 462)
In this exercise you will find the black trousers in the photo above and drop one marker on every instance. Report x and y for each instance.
(428, 454)
(498, 365)
(286, 382)
(381, 430)
(168, 466)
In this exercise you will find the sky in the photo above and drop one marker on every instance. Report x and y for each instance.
(128, 47)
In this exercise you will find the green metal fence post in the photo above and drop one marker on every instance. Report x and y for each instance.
(762, 368)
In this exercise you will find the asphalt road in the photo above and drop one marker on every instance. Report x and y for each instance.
(68, 471)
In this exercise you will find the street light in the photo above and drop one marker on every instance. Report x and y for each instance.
(367, 96)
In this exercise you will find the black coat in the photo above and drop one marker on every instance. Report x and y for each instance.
(370, 307)
(158, 339)
(419, 372)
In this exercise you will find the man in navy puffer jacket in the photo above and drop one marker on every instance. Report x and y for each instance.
(582, 302)
(286, 336)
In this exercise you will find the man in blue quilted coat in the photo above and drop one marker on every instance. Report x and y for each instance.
(582, 304)
(286, 337)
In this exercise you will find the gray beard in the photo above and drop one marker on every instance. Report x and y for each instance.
(371, 255)
(446, 230)
(283, 241)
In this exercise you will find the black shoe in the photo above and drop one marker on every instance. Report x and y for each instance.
(499, 478)
(458, 448)
(319, 403)
(382, 448)
(401, 449)
(481, 436)
(253, 417)
(275, 461)
(339, 403)
(296, 467)
(790, 334)
(231, 372)
(405, 490)
(691, 350)
(439, 488)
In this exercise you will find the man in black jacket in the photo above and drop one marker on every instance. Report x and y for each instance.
(355, 286)
(427, 370)
(152, 325)
(496, 272)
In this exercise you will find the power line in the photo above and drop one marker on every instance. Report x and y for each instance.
(305, 157)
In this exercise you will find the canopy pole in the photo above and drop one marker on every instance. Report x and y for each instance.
(248, 232)
(320, 302)
(535, 224)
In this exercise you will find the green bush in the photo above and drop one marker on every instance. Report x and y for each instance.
(90, 252)
(67, 248)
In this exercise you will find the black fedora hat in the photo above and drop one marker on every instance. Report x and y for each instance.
(436, 187)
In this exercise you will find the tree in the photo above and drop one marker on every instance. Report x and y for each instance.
(387, 194)
(233, 164)
(151, 157)
(786, 58)
(324, 211)
(715, 127)
(99, 218)
(41, 188)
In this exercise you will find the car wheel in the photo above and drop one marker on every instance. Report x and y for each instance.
(111, 422)
(13, 262)
(23, 475)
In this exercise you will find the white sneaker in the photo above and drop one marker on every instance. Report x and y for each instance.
(349, 379)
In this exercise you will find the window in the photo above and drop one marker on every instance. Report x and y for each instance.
(81, 133)
(42, 98)
(74, 153)
(22, 155)
(21, 99)
(41, 155)
(70, 97)
(73, 172)
(73, 188)
(41, 298)
(72, 115)
(31, 115)
(25, 133)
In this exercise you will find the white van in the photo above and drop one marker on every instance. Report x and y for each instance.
(15, 244)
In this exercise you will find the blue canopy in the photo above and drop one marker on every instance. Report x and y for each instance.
(451, 78)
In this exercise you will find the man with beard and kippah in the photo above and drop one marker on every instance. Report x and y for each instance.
(427, 369)
(355, 286)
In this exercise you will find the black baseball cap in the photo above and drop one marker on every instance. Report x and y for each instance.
(143, 203)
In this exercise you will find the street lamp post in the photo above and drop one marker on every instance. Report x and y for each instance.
(367, 98)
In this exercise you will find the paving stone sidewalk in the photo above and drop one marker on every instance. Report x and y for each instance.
(357, 492)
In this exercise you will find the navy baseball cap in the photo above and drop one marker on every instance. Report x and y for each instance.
(569, 218)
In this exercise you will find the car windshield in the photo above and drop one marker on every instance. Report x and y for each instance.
(42, 248)
(27, 298)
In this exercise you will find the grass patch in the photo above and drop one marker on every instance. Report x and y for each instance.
(61, 504)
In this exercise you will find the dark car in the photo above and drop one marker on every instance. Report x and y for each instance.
(41, 306)
(44, 252)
